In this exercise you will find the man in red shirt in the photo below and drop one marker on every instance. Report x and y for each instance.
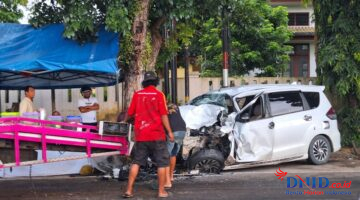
(148, 106)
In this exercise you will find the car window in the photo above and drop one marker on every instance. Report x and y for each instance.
(285, 102)
(313, 99)
(243, 101)
(254, 111)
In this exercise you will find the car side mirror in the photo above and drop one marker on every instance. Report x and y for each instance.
(242, 117)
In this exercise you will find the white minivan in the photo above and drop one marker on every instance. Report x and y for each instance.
(259, 125)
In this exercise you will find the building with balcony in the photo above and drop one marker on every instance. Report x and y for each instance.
(302, 59)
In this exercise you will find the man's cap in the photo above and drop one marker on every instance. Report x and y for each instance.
(85, 88)
(150, 75)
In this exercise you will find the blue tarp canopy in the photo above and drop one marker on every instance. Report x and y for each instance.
(44, 59)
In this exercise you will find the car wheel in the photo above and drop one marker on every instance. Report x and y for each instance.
(207, 161)
(319, 150)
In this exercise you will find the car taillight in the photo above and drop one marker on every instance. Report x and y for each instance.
(331, 114)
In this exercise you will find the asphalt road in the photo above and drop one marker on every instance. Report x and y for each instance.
(255, 183)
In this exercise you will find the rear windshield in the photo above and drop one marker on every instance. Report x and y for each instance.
(312, 98)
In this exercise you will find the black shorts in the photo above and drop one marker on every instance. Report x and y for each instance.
(90, 124)
(156, 149)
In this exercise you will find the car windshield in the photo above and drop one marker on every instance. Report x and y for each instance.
(219, 99)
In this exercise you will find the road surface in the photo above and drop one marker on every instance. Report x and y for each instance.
(255, 183)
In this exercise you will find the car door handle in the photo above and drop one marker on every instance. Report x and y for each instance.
(271, 125)
(307, 117)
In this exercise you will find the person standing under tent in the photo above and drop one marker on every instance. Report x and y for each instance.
(27, 105)
(88, 106)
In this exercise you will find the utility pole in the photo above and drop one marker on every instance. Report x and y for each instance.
(173, 80)
(166, 79)
(166, 68)
(187, 75)
(225, 44)
(174, 72)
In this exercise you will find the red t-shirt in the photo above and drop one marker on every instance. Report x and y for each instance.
(148, 105)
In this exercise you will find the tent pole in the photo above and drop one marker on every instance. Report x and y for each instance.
(0, 101)
(117, 91)
(53, 108)
(117, 97)
(19, 96)
(122, 97)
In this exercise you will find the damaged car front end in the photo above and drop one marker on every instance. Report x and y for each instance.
(206, 144)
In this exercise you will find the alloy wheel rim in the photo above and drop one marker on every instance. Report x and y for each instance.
(208, 166)
(320, 150)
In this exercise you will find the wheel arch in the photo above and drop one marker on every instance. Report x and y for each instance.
(326, 136)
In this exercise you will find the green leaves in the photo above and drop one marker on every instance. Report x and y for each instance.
(10, 12)
(117, 19)
(119, 15)
(339, 58)
(258, 31)
(82, 17)
(258, 37)
(185, 33)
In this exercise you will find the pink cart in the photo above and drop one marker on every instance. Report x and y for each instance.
(44, 133)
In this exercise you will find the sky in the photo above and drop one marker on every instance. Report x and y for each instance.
(26, 12)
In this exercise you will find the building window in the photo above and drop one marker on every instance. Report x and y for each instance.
(300, 61)
(298, 19)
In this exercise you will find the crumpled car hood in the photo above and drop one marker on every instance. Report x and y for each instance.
(196, 117)
(247, 144)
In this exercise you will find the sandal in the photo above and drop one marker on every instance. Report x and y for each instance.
(126, 196)
(163, 195)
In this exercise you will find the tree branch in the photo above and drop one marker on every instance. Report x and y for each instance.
(156, 41)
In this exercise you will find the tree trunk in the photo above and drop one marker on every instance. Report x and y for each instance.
(133, 75)
(353, 101)
(156, 41)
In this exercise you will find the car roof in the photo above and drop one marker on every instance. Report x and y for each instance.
(232, 91)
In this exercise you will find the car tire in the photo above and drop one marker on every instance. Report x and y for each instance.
(319, 150)
(207, 161)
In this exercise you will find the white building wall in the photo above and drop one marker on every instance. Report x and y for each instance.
(13, 98)
(312, 60)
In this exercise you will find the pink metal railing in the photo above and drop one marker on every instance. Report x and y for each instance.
(51, 132)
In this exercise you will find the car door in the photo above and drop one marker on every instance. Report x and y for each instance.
(291, 121)
(253, 138)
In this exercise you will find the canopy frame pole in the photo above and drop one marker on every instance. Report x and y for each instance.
(53, 105)
(117, 91)
(0, 101)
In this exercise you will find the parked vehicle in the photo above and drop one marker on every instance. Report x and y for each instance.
(259, 125)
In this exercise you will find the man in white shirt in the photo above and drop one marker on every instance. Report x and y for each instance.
(88, 107)
(27, 105)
